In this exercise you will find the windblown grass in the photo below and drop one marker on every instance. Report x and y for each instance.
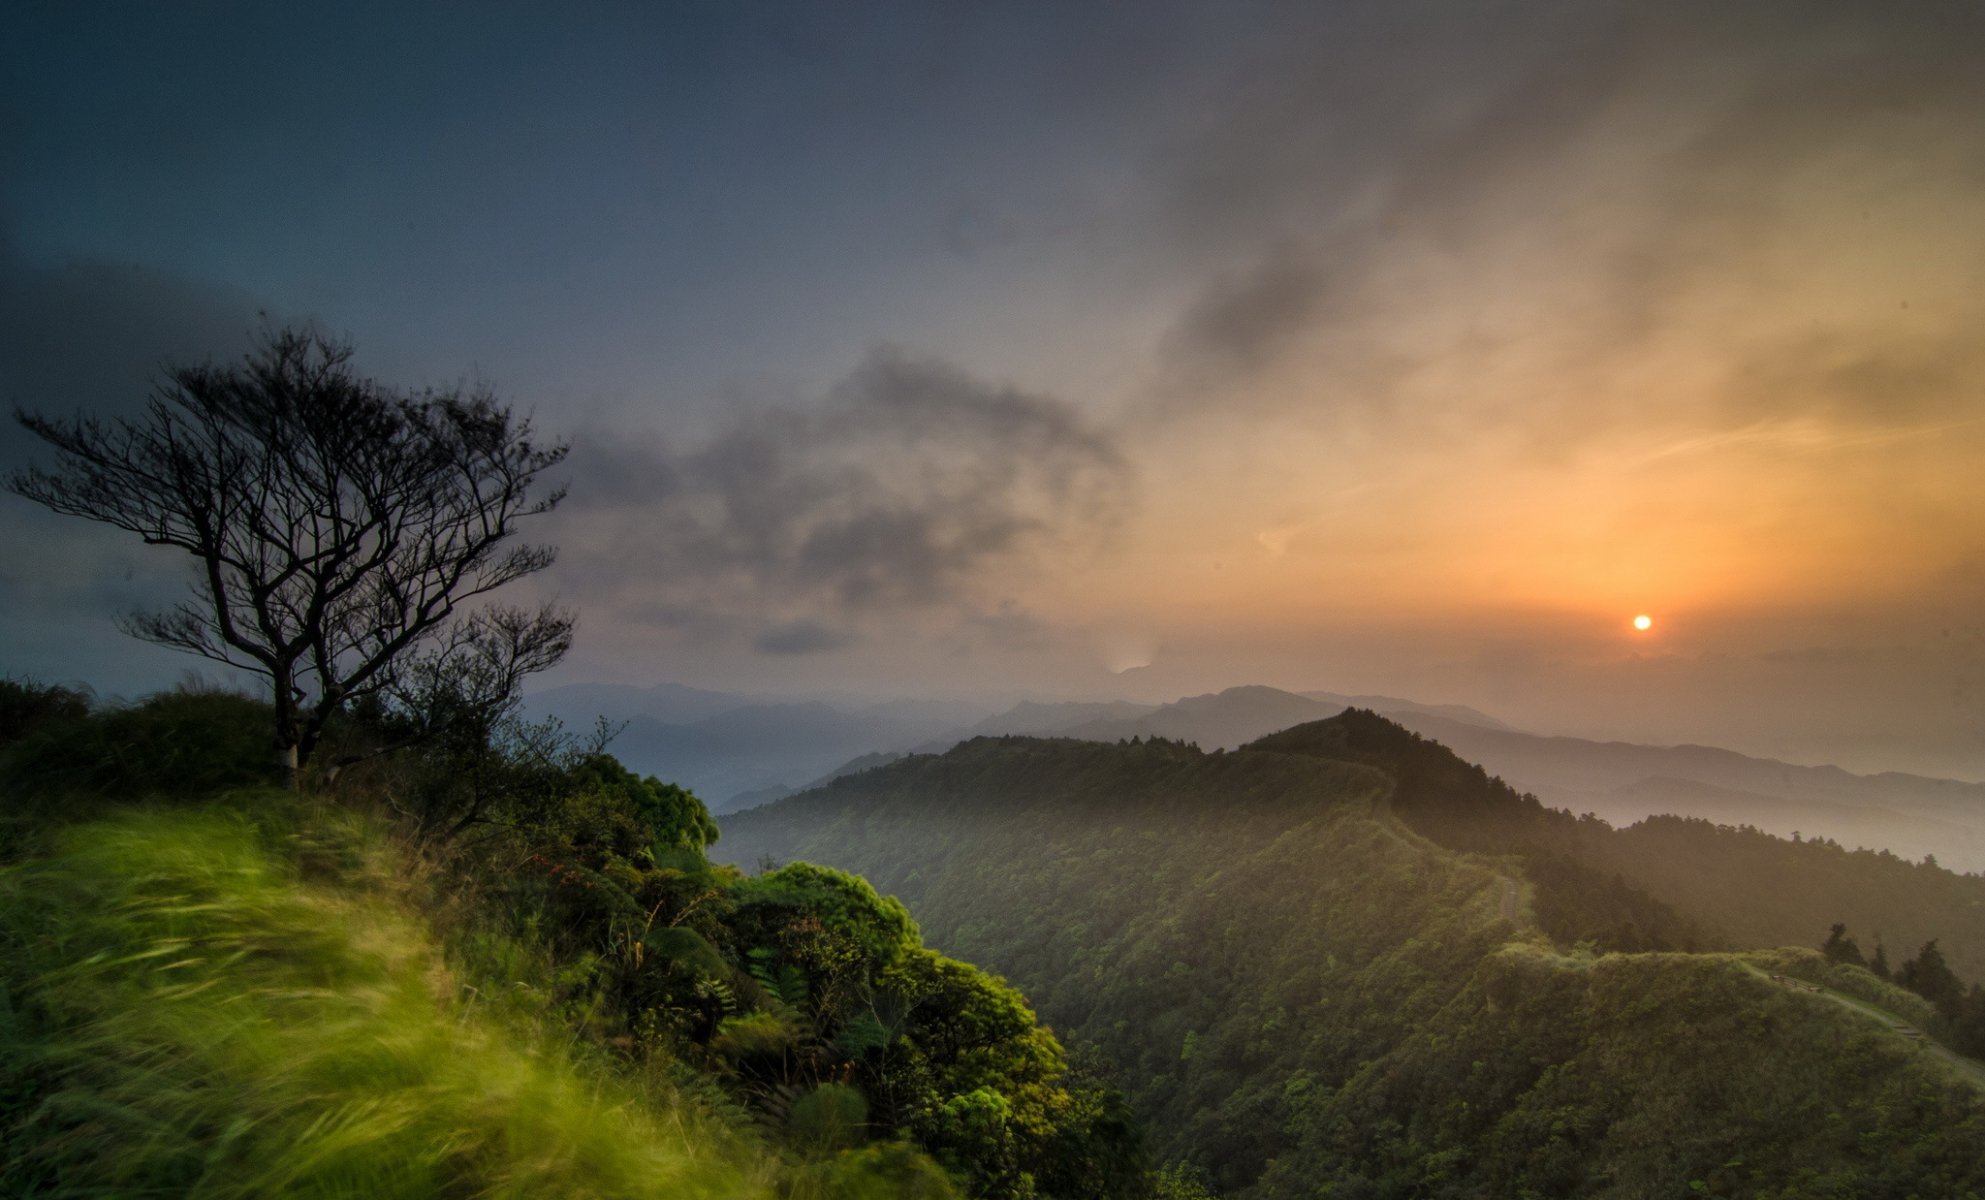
(182, 1012)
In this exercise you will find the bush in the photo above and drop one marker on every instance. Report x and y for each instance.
(172, 746)
(26, 706)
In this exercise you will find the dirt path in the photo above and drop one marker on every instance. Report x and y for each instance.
(1510, 913)
(1969, 1069)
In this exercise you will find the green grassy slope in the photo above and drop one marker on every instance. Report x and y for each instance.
(194, 1002)
(1306, 997)
(259, 994)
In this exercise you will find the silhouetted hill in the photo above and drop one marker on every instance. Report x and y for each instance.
(765, 745)
(767, 795)
(1396, 708)
(1224, 719)
(1037, 719)
(1218, 720)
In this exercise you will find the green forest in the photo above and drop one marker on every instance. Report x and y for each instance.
(1342, 962)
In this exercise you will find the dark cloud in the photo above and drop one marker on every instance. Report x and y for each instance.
(1005, 627)
(92, 336)
(903, 488)
(616, 472)
(1573, 182)
(1896, 378)
(1244, 321)
(801, 637)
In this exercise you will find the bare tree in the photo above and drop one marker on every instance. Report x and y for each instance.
(339, 526)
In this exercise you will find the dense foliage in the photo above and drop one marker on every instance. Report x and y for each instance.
(61, 759)
(185, 1016)
(26, 704)
(1307, 992)
(799, 1010)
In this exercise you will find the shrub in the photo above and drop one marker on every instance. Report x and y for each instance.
(26, 706)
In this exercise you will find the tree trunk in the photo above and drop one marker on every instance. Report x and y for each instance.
(289, 732)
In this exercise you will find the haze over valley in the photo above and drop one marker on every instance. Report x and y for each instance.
(738, 752)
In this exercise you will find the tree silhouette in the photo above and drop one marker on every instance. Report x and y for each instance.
(1842, 949)
(1930, 977)
(339, 526)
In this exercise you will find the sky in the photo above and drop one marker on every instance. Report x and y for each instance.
(1089, 350)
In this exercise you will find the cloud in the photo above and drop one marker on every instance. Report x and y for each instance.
(1006, 627)
(1242, 321)
(801, 637)
(92, 335)
(1899, 377)
(1517, 220)
(909, 486)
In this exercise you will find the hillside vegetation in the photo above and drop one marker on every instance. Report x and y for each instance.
(1310, 982)
(1715, 885)
(188, 1015)
(493, 966)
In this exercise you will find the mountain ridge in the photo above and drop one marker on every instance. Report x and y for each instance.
(756, 751)
(1302, 987)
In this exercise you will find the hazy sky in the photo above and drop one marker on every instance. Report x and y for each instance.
(1093, 348)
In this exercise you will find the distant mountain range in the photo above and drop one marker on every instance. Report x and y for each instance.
(1911, 815)
(739, 751)
(736, 750)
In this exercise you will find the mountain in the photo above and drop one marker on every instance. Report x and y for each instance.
(578, 705)
(1910, 815)
(1727, 886)
(1621, 782)
(1343, 961)
(1219, 719)
(1036, 718)
(767, 795)
(738, 753)
(768, 748)
(1223, 719)
(1393, 706)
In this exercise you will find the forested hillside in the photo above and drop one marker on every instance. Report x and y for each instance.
(1716, 885)
(1299, 983)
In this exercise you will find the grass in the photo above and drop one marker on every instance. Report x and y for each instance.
(182, 1012)
(1901, 1019)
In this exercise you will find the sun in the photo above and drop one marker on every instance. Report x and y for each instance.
(1643, 622)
